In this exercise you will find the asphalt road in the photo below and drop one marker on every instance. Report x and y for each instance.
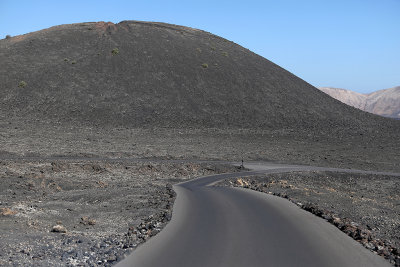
(222, 226)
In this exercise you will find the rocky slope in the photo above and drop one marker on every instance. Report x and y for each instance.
(138, 74)
(383, 102)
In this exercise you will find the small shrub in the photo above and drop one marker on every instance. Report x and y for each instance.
(115, 51)
(73, 62)
(204, 65)
(66, 59)
(225, 54)
(22, 84)
(8, 36)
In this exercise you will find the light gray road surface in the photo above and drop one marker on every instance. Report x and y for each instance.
(222, 226)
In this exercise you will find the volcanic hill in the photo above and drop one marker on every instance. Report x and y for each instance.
(152, 74)
(72, 86)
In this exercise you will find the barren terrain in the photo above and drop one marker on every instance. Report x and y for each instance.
(366, 150)
(80, 103)
(57, 213)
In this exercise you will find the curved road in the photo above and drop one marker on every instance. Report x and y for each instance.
(223, 226)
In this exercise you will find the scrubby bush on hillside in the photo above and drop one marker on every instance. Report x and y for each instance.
(204, 65)
(22, 84)
(115, 51)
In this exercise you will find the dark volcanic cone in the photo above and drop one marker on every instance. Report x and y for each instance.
(139, 74)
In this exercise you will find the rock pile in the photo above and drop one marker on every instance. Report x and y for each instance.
(153, 224)
(59, 229)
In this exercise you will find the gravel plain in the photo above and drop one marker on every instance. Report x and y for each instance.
(91, 213)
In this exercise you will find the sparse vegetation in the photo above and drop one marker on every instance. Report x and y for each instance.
(204, 65)
(225, 54)
(66, 59)
(73, 62)
(198, 50)
(115, 51)
(8, 36)
(22, 84)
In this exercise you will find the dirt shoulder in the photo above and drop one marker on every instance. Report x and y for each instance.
(85, 213)
(364, 206)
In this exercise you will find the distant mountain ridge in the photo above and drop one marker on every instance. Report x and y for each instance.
(383, 102)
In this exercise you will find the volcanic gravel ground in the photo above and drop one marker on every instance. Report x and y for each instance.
(34, 139)
(366, 207)
(85, 213)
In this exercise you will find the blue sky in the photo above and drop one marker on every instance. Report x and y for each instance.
(347, 44)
